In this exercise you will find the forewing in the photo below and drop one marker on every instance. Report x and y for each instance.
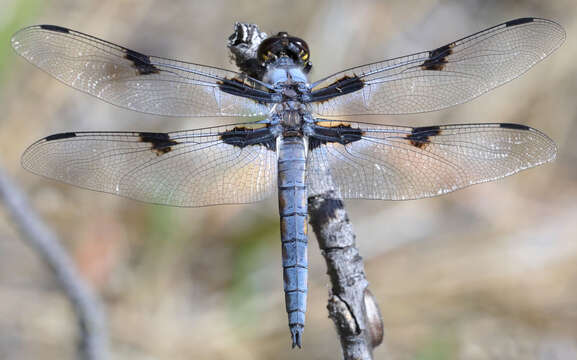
(220, 165)
(136, 81)
(436, 79)
(367, 161)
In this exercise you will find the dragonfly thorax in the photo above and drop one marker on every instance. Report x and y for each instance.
(292, 123)
(289, 80)
(285, 72)
(292, 118)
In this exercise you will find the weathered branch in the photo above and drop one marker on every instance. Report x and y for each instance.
(351, 305)
(93, 343)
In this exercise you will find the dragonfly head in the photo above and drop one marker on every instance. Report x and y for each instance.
(284, 45)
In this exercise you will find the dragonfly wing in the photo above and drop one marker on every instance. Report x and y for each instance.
(440, 78)
(367, 161)
(137, 81)
(219, 165)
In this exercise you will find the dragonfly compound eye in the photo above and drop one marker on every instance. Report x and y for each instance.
(282, 44)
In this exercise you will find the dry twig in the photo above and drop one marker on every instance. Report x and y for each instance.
(93, 342)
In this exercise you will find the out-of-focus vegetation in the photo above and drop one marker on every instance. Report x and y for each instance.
(484, 273)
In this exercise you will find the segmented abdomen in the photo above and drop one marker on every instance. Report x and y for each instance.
(292, 194)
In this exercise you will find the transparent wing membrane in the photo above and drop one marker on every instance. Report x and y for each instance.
(186, 168)
(400, 163)
(130, 79)
(440, 78)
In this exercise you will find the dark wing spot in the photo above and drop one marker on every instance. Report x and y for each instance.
(420, 136)
(160, 142)
(519, 21)
(438, 58)
(55, 28)
(238, 87)
(60, 136)
(342, 134)
(242, 137)
(347, 84)
(344, 85)
(141, 62)
(514, 126)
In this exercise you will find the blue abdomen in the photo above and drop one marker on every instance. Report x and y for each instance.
(293, 216)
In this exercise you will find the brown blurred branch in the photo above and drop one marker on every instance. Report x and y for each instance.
(93, 343)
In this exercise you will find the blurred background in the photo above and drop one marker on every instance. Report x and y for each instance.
(488, 272)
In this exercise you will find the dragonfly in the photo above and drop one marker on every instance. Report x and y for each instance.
(288, 138)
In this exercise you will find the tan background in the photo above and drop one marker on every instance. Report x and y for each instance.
(489, 272)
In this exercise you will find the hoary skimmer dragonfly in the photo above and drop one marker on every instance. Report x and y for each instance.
(298, 148)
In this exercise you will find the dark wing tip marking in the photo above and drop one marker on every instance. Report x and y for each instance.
(55, 28)
(60, 136)
(519, 21)
(341, 133)
(141, 62)
(438, 58)
(514, 126)
(161, 143)
(242, 137)
(420, 136)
